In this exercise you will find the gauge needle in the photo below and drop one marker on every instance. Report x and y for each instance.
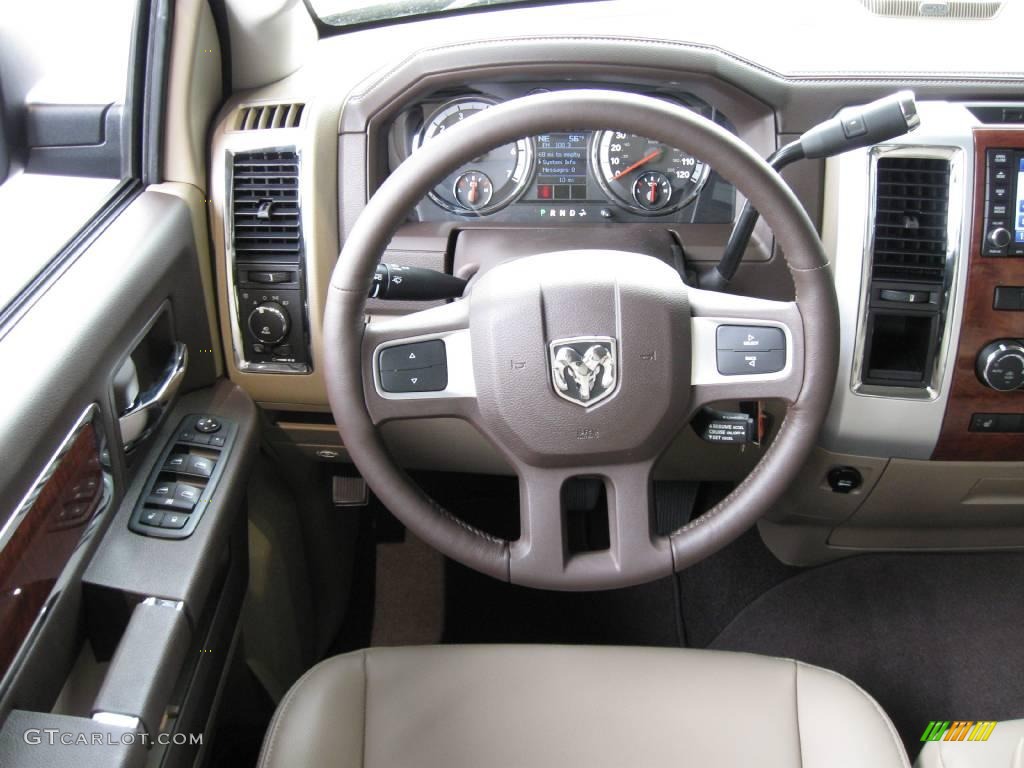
(645, 159)
(472, 190)
(652, 192)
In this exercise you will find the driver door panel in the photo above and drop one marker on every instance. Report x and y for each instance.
(74, 575)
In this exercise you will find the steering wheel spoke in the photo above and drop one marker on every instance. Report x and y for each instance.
(419, 365)
(745, 348)
(554, 551)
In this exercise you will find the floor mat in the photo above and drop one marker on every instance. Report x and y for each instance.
(713, 591)
(409, 609)
(930, 636)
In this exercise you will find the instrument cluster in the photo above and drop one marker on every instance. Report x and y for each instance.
(571, 175)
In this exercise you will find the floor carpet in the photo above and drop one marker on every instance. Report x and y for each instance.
(930, 636)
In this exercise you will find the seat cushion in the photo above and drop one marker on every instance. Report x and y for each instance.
(558, 706)
(1004, 748)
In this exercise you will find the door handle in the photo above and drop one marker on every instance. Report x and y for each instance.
(141, 418)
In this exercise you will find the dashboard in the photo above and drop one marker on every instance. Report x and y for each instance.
(566, 178)
(925, 254)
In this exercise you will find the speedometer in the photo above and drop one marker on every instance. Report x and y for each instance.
(647, 176)
(486, 183)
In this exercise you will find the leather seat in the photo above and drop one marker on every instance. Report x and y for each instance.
(1004, 749)
(559, 706)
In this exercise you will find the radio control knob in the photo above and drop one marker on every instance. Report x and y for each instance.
(269, 323)
(1001, 365)
(999, 237)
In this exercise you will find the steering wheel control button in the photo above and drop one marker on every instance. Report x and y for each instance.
(418, 367)
(744, 338)
(745, 350)
(207, 424)
(433, 379)
(750, 363)
(408, 357)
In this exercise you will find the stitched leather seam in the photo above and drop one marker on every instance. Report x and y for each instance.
(881, 712)
(463, 524)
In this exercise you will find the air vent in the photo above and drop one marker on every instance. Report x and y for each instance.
(935, 9)
(911, 210)
(265, 207)
(260, 117)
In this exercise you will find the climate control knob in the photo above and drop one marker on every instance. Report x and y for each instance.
(1001, 365)
(999, 237)
(269, 323)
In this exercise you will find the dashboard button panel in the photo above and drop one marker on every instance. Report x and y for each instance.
(1003, 231)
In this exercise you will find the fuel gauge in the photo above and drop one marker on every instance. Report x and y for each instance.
(473, 190)
(652, 190)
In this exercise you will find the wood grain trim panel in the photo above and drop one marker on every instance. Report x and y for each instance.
(43, 534)
(982, 324)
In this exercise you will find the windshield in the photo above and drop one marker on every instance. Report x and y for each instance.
(343, 13)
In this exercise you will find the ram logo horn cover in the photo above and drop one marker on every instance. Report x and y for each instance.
(584, 370)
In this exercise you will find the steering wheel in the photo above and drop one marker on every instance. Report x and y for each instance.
(581, 363)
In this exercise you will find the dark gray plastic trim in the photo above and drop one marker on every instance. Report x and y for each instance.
(116, 747)
(146, 665)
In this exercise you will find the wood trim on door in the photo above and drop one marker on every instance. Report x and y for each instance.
(42, 534)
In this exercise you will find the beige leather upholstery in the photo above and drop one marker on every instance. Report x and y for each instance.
(561, 707)
(1004, 749)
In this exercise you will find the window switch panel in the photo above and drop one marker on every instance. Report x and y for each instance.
(182, 481)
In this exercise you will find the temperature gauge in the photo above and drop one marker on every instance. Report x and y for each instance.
(501, 174)
(473, 190)
(652, 190)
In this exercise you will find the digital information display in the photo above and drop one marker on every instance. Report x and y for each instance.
(561, 166)
(1018, 216)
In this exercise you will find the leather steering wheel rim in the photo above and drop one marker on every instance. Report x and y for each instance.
(815, 347)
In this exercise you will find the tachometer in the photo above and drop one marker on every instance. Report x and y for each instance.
(488, 182)
(646, 176)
